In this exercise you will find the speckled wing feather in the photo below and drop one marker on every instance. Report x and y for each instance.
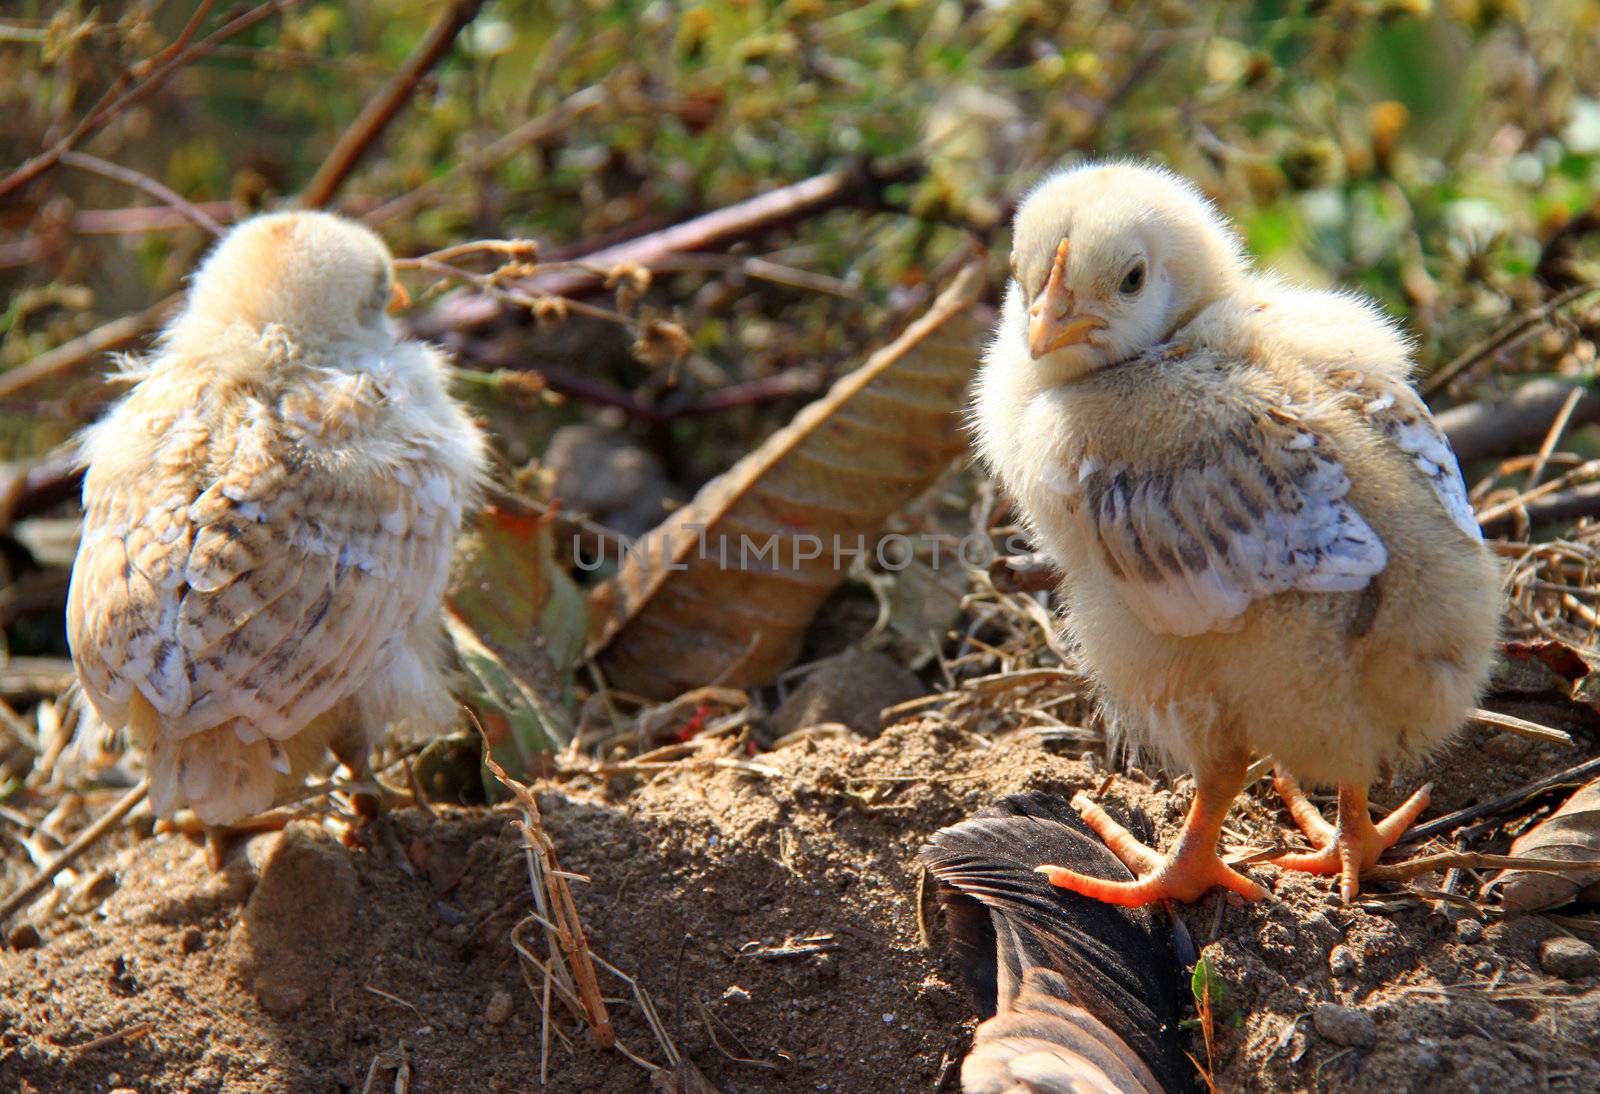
(1047, 1044)
(1400, 415)
(257, 573)
(1190, 542)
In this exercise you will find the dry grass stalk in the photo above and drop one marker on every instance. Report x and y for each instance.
(552, 899)
(70, 854)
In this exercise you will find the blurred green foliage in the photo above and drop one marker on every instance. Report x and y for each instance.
(1421, 151)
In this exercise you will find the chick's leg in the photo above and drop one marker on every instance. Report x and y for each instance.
(1354, 844)
(1191, 868)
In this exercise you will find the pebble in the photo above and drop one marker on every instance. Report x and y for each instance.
(24, 936)
(1469, 930)
(1341, 961)
(1344, 1025)
(1507, 746)
(499, 1009)
(192, 940)
(1569, 958)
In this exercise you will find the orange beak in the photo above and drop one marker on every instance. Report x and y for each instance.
(1051, 324)
(399, 299)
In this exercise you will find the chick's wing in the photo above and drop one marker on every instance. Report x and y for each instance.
(1191, 537)
(257, 583)
(1399, 413)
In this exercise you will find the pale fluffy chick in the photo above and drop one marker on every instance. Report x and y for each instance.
(1266, 541)
(269, 516)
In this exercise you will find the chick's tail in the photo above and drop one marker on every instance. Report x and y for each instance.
(217, 775)
(1077, 995)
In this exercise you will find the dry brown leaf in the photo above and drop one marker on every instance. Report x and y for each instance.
(721, 593)
(1571, 832)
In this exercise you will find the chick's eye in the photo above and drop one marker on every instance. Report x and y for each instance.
(1133, 281)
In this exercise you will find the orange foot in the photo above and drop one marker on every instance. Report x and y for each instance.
(1187, 873)
(1351, 847)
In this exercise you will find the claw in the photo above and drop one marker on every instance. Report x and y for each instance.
(1188, 872)
(1355, 844)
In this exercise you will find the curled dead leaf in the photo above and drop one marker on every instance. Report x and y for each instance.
(661, 342)
(1571, 832)
(550, 310)
(722, 592)
(1548, 667)
(631, 281)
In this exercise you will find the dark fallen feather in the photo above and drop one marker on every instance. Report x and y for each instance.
(1076, 994)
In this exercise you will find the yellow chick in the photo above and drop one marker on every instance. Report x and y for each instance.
(1266, 541)
(268, 520)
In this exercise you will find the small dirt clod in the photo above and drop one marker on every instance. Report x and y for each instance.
(1569, 958)
(499, 1009)
(1344, 1025)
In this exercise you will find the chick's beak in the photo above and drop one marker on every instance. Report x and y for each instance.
(1051, 324)
(399, 299)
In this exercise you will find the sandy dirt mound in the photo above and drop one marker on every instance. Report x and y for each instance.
(307, 965)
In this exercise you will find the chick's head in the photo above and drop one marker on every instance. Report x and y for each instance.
(322, 279)
(1108, 260)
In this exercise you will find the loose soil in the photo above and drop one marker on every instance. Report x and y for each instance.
(306, 965)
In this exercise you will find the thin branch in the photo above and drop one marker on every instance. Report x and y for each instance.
(146, 78)
(1494, 428)
(1556, 507)
(1576, 775)
(1475, 860)
(145, 218)
(48, 159)
(719, 228)
(381, 110)
(1520, 726)
(144, 183)
(69, 355)
(70, 853)
(1512, 332)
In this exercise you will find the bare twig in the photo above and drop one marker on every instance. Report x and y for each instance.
(1483, 429)
(1512, 332)
(1574, 775)
(70, 853)
(145, 78)
(1552, 436)
(158, 190)
(1520, 726)
(1549, 507)
(557, 910)
(381, 110)
(144, 218)
(103, 339)
(1475, 860)
(719, 228)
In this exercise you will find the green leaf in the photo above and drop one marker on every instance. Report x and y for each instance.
(518, 623)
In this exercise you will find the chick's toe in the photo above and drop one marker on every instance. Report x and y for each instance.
(1352, 846)
(1185, 874)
